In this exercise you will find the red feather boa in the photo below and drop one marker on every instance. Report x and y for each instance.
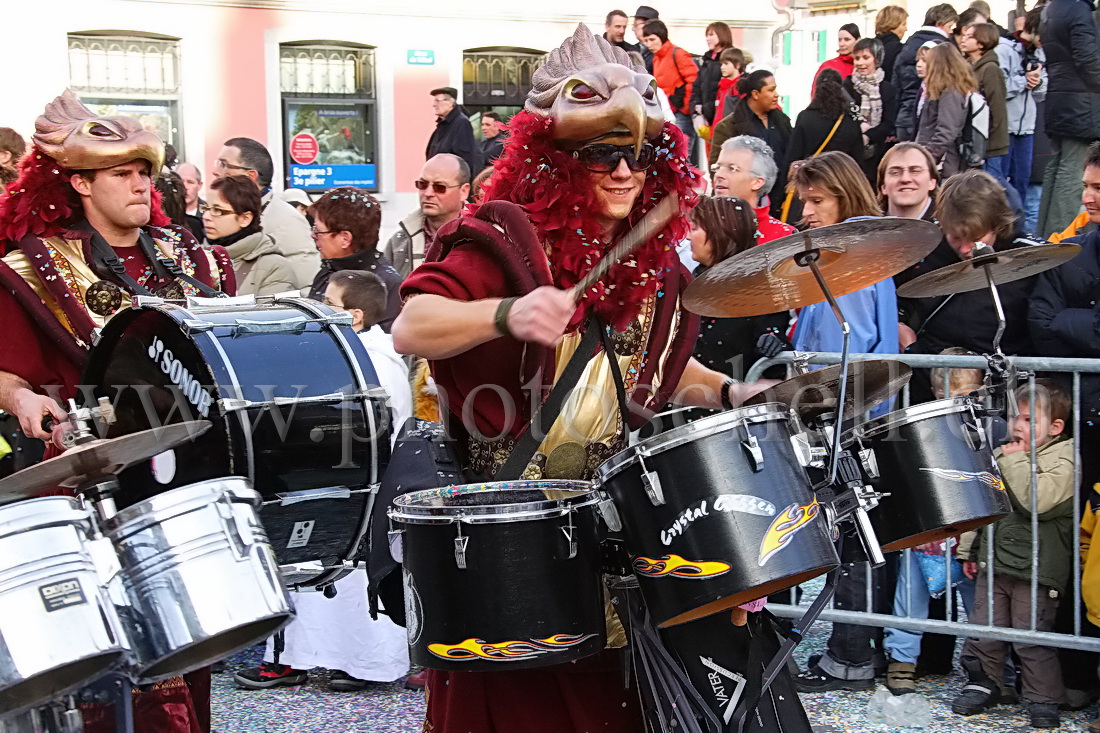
(42, 202)
(556, 192)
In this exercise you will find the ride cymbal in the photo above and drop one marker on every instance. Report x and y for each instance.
(814, 393)
(97, 458)
(1005, 267)
(850, 255)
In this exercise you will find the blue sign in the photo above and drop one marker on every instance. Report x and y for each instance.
(424, 58)
(310, 177)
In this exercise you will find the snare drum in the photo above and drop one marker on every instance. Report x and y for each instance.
(501, 576)
(57, 633)
(199, 576)
(935, 463)
(718, 512)
(295, 408)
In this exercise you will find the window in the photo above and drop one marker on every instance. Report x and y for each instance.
(497, 78)
(129, 74)
(329, 115)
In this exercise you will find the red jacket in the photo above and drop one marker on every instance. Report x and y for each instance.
(843, 65)
(725, 86)
(673, 68)
(769, 227)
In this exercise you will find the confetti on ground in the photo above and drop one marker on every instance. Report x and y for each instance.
(389, 708)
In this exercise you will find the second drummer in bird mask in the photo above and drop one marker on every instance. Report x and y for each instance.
(491, 309)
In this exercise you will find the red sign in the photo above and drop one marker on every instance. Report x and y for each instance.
(304, 148)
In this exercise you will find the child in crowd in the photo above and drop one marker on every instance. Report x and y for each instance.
(337, 633)
(911, 594)
(984, 659)
(732, 62)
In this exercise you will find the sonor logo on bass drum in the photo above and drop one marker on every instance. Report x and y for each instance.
(181, 376)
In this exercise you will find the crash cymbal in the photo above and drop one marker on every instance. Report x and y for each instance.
(811, 394)
(851, 255)
(1012, 264)
(97, 458)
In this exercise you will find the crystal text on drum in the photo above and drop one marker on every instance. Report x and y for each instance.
(722, 503)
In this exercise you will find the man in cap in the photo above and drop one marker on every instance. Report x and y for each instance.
(643, 15)
(84, 234)
(492, 307)
(453, 132)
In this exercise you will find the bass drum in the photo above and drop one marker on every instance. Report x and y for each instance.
(295, 406)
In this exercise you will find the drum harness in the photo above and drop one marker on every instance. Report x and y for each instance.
(107, 264)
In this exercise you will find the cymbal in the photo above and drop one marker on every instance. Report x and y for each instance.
(1005, 267)
(870, 382)
(851, 255)
(97, 458)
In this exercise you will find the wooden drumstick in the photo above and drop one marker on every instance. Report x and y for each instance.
(739, 616)
(650, 224)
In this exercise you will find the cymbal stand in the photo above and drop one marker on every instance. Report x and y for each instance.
(1001, 372)
(809, 259)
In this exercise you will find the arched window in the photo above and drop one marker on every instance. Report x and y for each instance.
(329, 119)
(129, 73)
(497, 78)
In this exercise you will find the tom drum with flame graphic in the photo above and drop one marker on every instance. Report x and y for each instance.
(784, 527)
(963, 476)
(507, 651)
(677, 567)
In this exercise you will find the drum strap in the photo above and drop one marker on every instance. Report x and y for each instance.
(616, 375)
(107, 264)
(548, 412)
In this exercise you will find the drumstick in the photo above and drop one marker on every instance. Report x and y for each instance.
(650, 224)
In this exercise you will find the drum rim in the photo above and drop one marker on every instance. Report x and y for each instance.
(179, 500)
(911, 414)
(684, 434)
(405, 512)
(50, 513)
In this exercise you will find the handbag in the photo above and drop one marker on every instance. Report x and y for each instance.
(790, 190)
(934, 570)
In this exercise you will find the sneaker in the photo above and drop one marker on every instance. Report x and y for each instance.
(270, 675)
(975, 698)
(344, 682)
(1044, 715)
(901, 678)
(815, 679)
(417, 681)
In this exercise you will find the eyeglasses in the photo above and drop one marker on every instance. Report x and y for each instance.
(437, 187)
(330, 304)
(222, 164)
(215, 210)
(898, 172)
(315, 232)
(729, 166)
(604, 158)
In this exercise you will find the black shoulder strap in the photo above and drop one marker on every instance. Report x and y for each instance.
(548, 412)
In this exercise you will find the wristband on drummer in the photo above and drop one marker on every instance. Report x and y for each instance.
(500, 320)
(727, 403)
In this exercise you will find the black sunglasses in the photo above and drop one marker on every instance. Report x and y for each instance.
(604, 158)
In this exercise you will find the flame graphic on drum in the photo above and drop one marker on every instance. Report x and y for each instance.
(506, 651)
(784, 527)
(963, 476)
(679, 567)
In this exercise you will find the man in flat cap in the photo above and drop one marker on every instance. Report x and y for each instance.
(453, 132)
(643, 15)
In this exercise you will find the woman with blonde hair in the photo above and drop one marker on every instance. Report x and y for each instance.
(890, 25)
(941, 110)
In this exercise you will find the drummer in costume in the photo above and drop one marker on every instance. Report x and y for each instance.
(588, 157)
(84, 232)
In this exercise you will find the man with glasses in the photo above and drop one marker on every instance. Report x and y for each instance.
(443, 187)
(242, 156)
(453, 132)
(492, 310)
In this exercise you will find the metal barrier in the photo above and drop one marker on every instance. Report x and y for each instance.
(1074, 640)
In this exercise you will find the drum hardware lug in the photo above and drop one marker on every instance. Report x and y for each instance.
(869, 462)
(610, 514)
(756, 455)
(570, 539)
(395, 538)
(808, 456)
(652, 483)
(146, 301)
(288, 325)
(460, 548)
(974, 432)
(343, 318)
(233, 404)
(96, 334)
(191, 326)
